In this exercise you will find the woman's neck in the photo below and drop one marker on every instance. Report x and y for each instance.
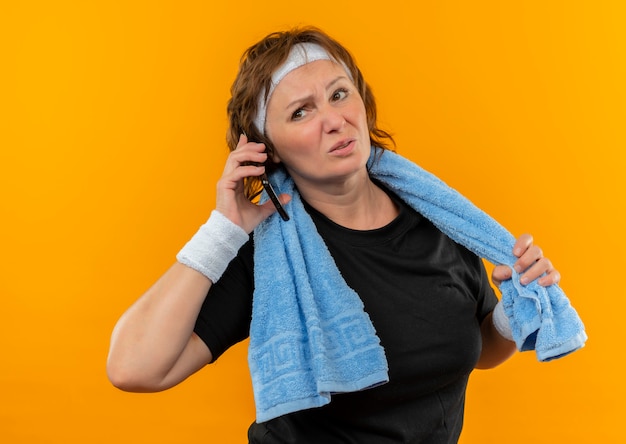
(359, 206)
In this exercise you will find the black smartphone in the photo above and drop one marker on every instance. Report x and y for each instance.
(267, 186)
(273, 197)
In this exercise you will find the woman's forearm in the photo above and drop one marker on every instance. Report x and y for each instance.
(496, 349)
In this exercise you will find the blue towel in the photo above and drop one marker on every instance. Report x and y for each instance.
(310, 336)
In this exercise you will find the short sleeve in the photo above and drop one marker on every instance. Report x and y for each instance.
(224, 318)
(486, 300)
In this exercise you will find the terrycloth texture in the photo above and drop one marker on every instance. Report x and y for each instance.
(309, 335)
(213, 247)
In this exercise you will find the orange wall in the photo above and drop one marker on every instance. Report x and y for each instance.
(112, 137)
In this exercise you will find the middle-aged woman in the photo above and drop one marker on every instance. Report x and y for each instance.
(302, 113)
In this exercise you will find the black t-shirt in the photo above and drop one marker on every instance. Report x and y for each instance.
(426, 296)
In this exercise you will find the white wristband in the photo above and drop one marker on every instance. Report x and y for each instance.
(212, 248)
(501, 322)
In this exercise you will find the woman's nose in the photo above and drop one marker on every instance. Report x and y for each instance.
(333, 120)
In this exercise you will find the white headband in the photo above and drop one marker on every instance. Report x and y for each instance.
(300, 54)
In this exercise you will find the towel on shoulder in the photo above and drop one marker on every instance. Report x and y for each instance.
(310, 336)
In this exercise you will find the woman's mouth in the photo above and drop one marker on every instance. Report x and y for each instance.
(343, 148)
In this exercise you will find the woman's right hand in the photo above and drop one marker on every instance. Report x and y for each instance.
(153, 345)
(245, 161)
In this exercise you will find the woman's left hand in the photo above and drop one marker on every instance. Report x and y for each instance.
(530, 265)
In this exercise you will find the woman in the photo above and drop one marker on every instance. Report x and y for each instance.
(300, 106)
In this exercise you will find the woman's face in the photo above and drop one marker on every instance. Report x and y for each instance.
(317, 123)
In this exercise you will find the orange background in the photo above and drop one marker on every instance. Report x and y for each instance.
(112, 138)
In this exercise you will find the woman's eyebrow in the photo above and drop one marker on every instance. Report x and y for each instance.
(332, 82)
(304, 99)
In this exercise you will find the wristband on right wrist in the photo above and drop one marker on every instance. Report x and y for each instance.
(213, 246)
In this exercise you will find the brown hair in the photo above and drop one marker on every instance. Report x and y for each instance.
(257, 65)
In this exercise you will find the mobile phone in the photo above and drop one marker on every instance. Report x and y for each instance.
(273, 197)
(267, 186)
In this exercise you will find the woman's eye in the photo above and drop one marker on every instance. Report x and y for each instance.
(297, 114)
(339, 94)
